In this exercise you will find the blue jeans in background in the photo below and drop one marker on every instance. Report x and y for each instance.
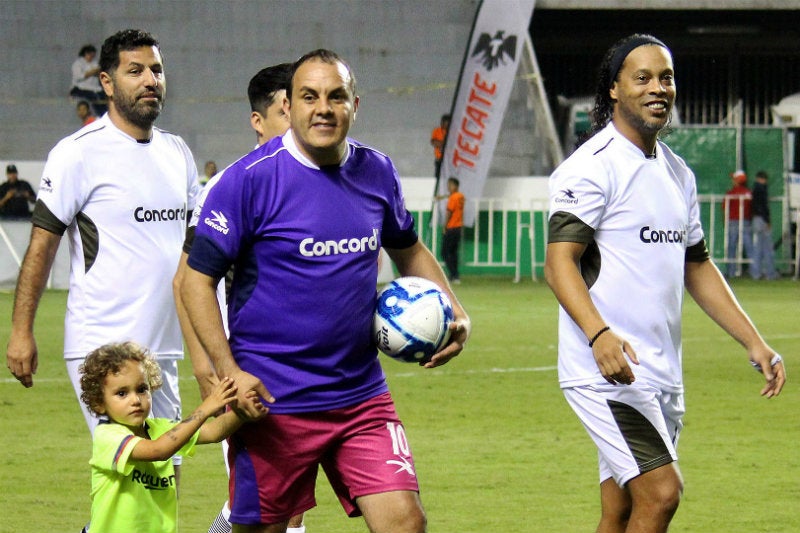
(763, 252)
(734, 228)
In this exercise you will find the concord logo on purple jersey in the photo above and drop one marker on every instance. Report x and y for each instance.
(310, 248)
(142, 214)
(218, 222)
(648, 235)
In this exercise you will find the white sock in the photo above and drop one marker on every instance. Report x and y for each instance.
(222, 522)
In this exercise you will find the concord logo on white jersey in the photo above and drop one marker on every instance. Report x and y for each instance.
(648, 235)
(310, 248)
(218, 222)
(142, 214)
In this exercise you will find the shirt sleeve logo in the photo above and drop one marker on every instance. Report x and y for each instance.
(217, 221)
(46, 184)
(567, 197)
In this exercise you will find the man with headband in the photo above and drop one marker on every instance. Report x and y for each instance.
(624, 241)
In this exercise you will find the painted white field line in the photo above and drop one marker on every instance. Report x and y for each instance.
(494, 370)
(389, 372)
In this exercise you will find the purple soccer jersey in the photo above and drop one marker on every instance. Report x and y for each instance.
(304, 241)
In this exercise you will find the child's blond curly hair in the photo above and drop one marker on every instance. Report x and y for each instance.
(109, 359)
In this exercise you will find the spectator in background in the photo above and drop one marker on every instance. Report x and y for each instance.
(453, 228)
(208, 172)
(86, 81)
(438, 136)
(736, 206)
(763, 253)
(15, 196)
(84, 113)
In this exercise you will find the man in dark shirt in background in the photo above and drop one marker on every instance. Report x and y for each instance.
(763, 253)
(15, 196)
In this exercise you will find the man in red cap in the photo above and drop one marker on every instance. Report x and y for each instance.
(736, 206)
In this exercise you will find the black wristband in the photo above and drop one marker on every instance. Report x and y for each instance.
(596, 335)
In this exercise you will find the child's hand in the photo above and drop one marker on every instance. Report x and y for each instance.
(223, 394)
(254, 399)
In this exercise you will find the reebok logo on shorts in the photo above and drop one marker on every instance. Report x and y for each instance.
(403, 464)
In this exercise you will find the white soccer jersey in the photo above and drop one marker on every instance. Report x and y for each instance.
(124, 205)
(644, 213)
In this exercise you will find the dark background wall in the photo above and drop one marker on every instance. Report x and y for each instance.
(721, 56)
(406, 55)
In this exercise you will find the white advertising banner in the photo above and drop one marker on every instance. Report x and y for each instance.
(487, 77)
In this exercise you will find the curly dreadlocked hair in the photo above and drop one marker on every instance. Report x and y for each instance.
(608, 73)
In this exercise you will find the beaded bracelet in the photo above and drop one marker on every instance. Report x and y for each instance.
(596, 335)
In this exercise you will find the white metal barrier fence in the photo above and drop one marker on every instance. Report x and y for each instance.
(507, 226)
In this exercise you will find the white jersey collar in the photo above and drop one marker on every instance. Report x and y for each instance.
(631, 146)
(291, 145)
(105, 120)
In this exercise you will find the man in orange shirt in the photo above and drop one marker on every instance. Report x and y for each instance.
(452, 229)
(437, 141)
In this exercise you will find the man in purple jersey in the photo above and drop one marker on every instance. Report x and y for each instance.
(303, 218)
(266, 92)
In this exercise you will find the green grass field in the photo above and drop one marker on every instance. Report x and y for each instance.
(497, 449)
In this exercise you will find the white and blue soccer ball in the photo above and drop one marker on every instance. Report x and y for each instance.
(411, 319)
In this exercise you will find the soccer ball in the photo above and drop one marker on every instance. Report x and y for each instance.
(411, 319)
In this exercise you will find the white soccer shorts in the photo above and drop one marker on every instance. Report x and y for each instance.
(635, 427)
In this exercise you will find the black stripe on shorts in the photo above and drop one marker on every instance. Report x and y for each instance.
(642, 438)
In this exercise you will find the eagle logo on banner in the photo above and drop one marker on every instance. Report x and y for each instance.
(495, 49)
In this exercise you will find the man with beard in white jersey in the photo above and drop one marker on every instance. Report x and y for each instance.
(266, 92)
(121, 189)
(624, 241)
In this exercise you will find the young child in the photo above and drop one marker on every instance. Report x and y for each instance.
(133, 480)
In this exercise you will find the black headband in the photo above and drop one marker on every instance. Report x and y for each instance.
(622, 52)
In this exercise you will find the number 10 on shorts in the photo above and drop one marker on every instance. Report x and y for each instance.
(399, 440)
